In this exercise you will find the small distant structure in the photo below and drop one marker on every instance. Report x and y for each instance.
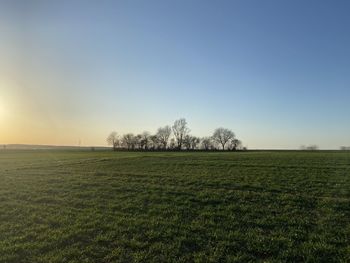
(4, 146)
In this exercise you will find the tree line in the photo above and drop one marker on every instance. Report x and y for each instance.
(177, 137)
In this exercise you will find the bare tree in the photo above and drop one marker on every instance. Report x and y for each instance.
(145, 140)
(191, 142)
(312, 148)
(172, 144)
(138, 141)
(235, 144)
(154, 142)
(113, 140)
(129, 141)
(195, 141)
(180, 130)
(222, 136)
(163, 135)
(187, 142)
(206, 143)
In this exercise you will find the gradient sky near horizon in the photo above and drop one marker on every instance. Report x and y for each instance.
(275, 72)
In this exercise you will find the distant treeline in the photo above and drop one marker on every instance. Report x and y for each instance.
(309, 148)
(315, 148)
(345, 148)
(175, 138)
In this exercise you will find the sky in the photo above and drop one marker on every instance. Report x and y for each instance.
(276, 72)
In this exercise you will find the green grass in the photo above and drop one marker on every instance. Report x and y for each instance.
(71, 206)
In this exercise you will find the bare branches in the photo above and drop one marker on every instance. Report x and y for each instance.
(176, 137)
(163, 135)
(222, 136)
(180, 130)
(113, 140)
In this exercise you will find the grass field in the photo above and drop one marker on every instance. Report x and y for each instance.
(71, 206)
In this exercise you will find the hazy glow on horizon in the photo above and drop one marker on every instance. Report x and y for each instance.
(275, 72)
(2, 112)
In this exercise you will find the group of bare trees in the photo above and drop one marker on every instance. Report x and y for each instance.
(177, 137)
(312, 147)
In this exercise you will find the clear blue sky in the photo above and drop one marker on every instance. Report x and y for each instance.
(275, 72)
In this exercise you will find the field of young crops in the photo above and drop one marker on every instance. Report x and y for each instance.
(81, 206)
